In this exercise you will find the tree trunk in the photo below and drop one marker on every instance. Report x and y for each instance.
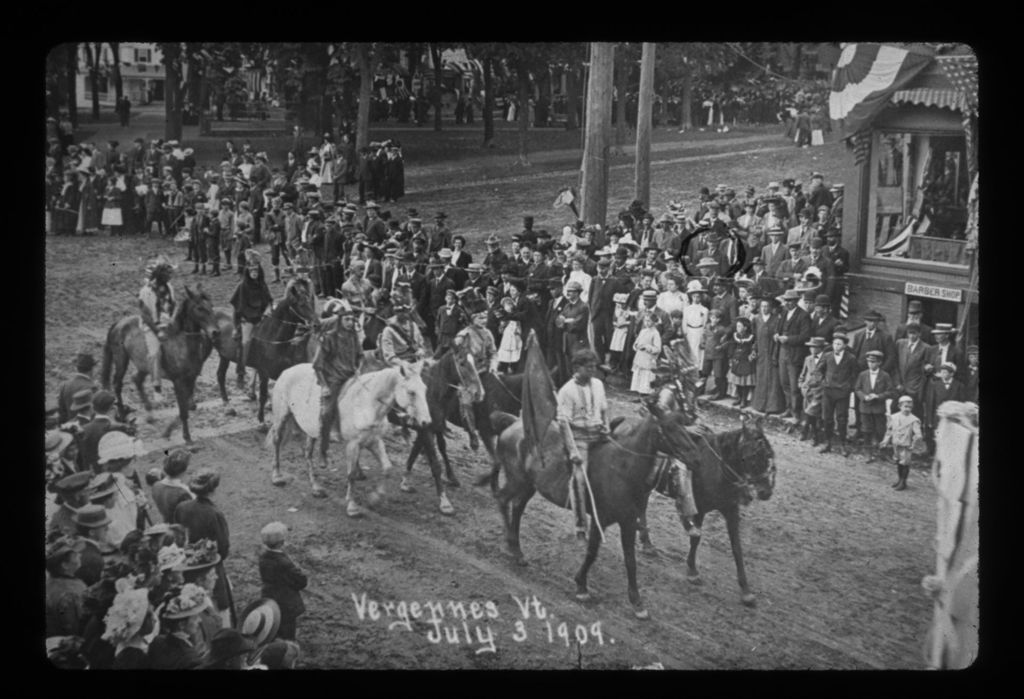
(92, 60)
(365, 86)
(798, 55)
(599, 110)
(621, 81)
(523, 77)
(204, 98)
(115, 49)
(572, 99)
(686, 102)
(488, 103)
(435, 55)
(642, 188)
(172, 91)
(71, 75)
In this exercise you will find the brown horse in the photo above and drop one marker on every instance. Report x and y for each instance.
(191, 335)
(733, 468)
(619, 470)
(279, 341)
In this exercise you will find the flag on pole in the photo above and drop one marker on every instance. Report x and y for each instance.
(540, 406)
(865, 78)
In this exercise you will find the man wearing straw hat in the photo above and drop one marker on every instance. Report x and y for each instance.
(156, 305)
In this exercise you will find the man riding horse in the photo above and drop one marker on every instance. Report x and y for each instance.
(478, 339)
(156, 304)
(251, 301)
(401, 340)
(583, 409)
(337, 360)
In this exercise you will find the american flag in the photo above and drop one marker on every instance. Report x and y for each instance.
(962, 72)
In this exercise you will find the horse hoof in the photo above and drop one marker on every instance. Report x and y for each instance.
(583, 597)
(230, 412)
(263, 428)
(354, 510)
(446, 507)
(281, 480)
(749, 600)
(641, 614)
(319, 492)
(695, 580)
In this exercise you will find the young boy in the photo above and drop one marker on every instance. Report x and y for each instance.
(716, 336)
(873, 387)
(905, 436)
(810, 382)
(282, 580)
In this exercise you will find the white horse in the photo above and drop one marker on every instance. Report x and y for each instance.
(363, 407)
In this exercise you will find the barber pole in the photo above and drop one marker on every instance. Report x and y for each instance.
(844, 303)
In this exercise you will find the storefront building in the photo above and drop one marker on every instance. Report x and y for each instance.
(909, 212)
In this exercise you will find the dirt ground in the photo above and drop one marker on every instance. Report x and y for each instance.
(835, 557)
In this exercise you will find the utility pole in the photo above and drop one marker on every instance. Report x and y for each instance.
(642, 189)
(598, 127)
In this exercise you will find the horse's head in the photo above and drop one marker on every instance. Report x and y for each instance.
(299, 301)
(756, 456)
(411, 394)
(673, 439)
(198, 314)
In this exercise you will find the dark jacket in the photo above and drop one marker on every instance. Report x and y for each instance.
(66, 392)
(169, 652)
(824, 327)
(89, 441)
(910, 366)
(167, 498)
(839, 377)
(282, 582)
(936, 393)
(971, 385)
(797, 331)
(203, 520)
(879, 341)
(885, 387)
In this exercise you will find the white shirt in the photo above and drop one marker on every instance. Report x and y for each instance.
(872, 376)
(583, 405)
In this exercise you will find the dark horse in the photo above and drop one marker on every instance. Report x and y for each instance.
(448, 381)
(732, 468)
(619, 470)
(191, 335)
(279, 341)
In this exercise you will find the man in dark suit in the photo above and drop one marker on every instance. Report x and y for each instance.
(823, 323)
(971, 374)
(457, 274)
(945, 351)
(874, 338)
(494, 253)
(437, 285)
(603, 288)
(819, 194)
(102, 422)
(911, 355)
(774, 253)
(82, 380)
(375, 228)
(915, 313)
(937, 391)
(840, 370)
(794, 331)
(873, 387)
(840, 259)
(816, 258)
(723, 300)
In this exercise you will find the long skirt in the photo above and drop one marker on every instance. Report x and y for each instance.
(618, 341)
(112, 217)
(511, 346)
(641, 382)
(768, 396)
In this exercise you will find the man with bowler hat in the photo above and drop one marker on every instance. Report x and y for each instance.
(794, 331)
(839, 369)
(915, 314)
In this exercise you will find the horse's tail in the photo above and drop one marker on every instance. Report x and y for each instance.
(108, 356)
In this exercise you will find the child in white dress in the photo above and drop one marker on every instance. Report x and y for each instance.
(648, 347)
(622, 318)
(511, 346)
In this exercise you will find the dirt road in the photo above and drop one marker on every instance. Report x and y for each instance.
(835, 558)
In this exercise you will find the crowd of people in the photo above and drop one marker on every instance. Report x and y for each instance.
(135, 564)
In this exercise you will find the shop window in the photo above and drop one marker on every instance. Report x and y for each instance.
(143, 55)
(918, 204)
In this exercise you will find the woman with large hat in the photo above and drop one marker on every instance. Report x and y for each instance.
(695, 317)
(204, 520)
(199, 567)
(173, 648)
(130, 626)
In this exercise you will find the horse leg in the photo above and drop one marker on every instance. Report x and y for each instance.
(517, 517)
(645, 535)
(628, 535)
(378, 495)
(181, 396)
(445, 504)
(442, 446)
(139, 380)
(279, 429)
(417, 446)
(352, 449)
(692, 574)
(261, 411)
(318, 492)
(732, 524)
(593, 544)
(222, 374)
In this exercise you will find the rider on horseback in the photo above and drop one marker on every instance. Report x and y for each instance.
(401, 339)
(583, 407)
(156, 304)
(251, 301)
(479, 338)
(337, 360)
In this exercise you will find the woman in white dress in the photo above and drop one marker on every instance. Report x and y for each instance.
(671, 299)
(648, 347)
(511, 347)
(622, 318)
(695, 316)
(578, 275)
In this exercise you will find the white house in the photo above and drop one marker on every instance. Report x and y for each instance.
(142, 74)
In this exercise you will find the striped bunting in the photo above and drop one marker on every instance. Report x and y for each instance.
(865, 78)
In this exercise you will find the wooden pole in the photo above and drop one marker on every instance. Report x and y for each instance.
(642, 188)
(599, 117)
